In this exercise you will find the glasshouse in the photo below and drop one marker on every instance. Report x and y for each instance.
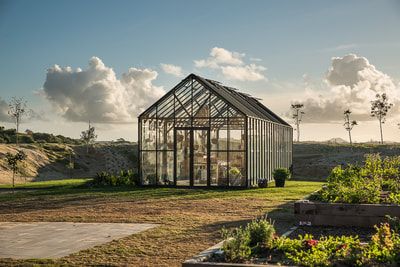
(205, 134)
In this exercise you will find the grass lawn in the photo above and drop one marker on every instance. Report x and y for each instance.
(190, 219)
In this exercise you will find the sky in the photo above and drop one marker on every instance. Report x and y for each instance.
(106, 61)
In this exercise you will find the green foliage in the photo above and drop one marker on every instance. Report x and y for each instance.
(237, 245)
(262, 233)
(258, 239)
(281, 174)
(235, 172)
(123, 178)
(326, 251)
(14, 159)
(383, 248)
(242, 242)
(364, 184)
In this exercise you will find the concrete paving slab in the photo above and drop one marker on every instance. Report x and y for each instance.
(45, 240)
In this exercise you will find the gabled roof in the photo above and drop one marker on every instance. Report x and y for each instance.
(245, 103)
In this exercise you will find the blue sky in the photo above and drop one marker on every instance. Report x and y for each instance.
(291, 38)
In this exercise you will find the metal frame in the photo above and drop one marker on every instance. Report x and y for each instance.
(191, 149)
(267, 138)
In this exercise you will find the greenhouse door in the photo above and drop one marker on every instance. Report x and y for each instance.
(192, 156)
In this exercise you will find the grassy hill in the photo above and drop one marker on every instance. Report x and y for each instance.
(314, 161)
(49, 161)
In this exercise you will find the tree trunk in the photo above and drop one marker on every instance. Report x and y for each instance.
(351, 143)
(298, 130)
(13, 181)
(16, 133)
(380, 127)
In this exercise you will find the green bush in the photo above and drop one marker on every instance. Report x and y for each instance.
(241, 242)
(261, 232)
(123, 178)
(364, 184)
(237, 245)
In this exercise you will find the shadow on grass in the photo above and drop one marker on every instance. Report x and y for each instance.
(62, 196)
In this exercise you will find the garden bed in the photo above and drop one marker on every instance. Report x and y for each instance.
(339, 214)
(258, 245)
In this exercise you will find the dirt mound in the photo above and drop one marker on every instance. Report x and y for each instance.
(49, 161)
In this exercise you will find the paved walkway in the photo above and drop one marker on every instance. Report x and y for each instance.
(58, 239)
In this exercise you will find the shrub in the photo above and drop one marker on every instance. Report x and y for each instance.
(280, 176)
(261, 233)
(242, 242)
(124, 178)
(237, 245)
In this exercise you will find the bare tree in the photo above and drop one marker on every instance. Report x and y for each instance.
(13, 162)
(297, 115)
(379, 109)
(88, 137)
(348, 124)
(17, 109)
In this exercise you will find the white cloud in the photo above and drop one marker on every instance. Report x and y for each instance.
(232, 65)
(255, 59)
(96, 93)
(351, 82)
(220, 56)
(250, 72)
(172, 69)
(4, 117)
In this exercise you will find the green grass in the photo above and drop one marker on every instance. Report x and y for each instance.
(49, 184)
(189, 220)
(78, 187)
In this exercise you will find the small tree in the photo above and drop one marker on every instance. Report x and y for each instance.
(13, 161)
(88, 137)
(297, 115)
(17, 109)
(348, 125)
(70, 165)
(379, 109)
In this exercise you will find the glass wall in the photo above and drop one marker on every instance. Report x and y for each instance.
(269, 148)
(194, 137)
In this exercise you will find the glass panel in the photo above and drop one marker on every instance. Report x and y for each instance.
(219, 134)
(183, 157)
(149, 168)
(165, 167)
(182, 122)
(149, 134)
(219, 165)
(165, 135)
(200, 144)
(237, 169)
(201, 122)
(236, 134)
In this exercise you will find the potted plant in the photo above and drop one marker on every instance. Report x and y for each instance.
(262, 183)
(280, 176)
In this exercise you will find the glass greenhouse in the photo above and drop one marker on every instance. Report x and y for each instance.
(205, 134)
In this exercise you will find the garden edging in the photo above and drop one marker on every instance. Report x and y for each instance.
(341, 214)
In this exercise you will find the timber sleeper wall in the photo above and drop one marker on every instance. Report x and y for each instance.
(338, 214)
